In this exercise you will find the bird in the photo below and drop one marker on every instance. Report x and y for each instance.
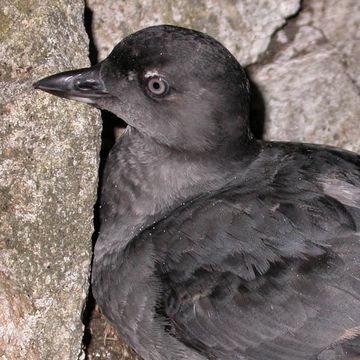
(214, 244)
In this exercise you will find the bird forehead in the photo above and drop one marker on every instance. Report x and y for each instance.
(136, 58)
(160, 50)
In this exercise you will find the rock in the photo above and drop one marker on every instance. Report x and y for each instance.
(48, 178)
(308, 79)
(311, 99)
(244, 26)
(340, 23)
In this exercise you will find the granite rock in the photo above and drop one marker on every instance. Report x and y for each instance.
(244, 26)
(339, 21)
(48, 178)
(309, 77)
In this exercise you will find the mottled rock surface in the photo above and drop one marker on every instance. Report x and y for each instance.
(311, 74)
(48, 178)
(243, 26)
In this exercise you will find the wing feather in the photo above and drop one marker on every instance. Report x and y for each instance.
(267, 273)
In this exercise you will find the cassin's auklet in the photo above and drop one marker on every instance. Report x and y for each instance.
(214, 245)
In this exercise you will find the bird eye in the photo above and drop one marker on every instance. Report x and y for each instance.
(157, 86)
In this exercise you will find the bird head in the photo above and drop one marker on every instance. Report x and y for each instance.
(178, 86)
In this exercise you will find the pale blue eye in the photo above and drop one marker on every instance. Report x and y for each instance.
(157, 86)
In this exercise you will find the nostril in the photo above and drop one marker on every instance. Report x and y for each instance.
(87, 85)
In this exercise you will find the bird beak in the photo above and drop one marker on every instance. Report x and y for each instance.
(84, 85)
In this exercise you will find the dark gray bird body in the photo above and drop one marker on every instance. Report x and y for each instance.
(214, 245)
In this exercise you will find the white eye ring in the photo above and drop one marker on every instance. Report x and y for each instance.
(157, 86)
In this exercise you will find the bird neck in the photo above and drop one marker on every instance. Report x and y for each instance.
(144, 180)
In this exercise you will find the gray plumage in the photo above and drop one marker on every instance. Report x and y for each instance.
(214, 245)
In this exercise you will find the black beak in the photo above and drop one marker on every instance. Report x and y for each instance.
(84, 85)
